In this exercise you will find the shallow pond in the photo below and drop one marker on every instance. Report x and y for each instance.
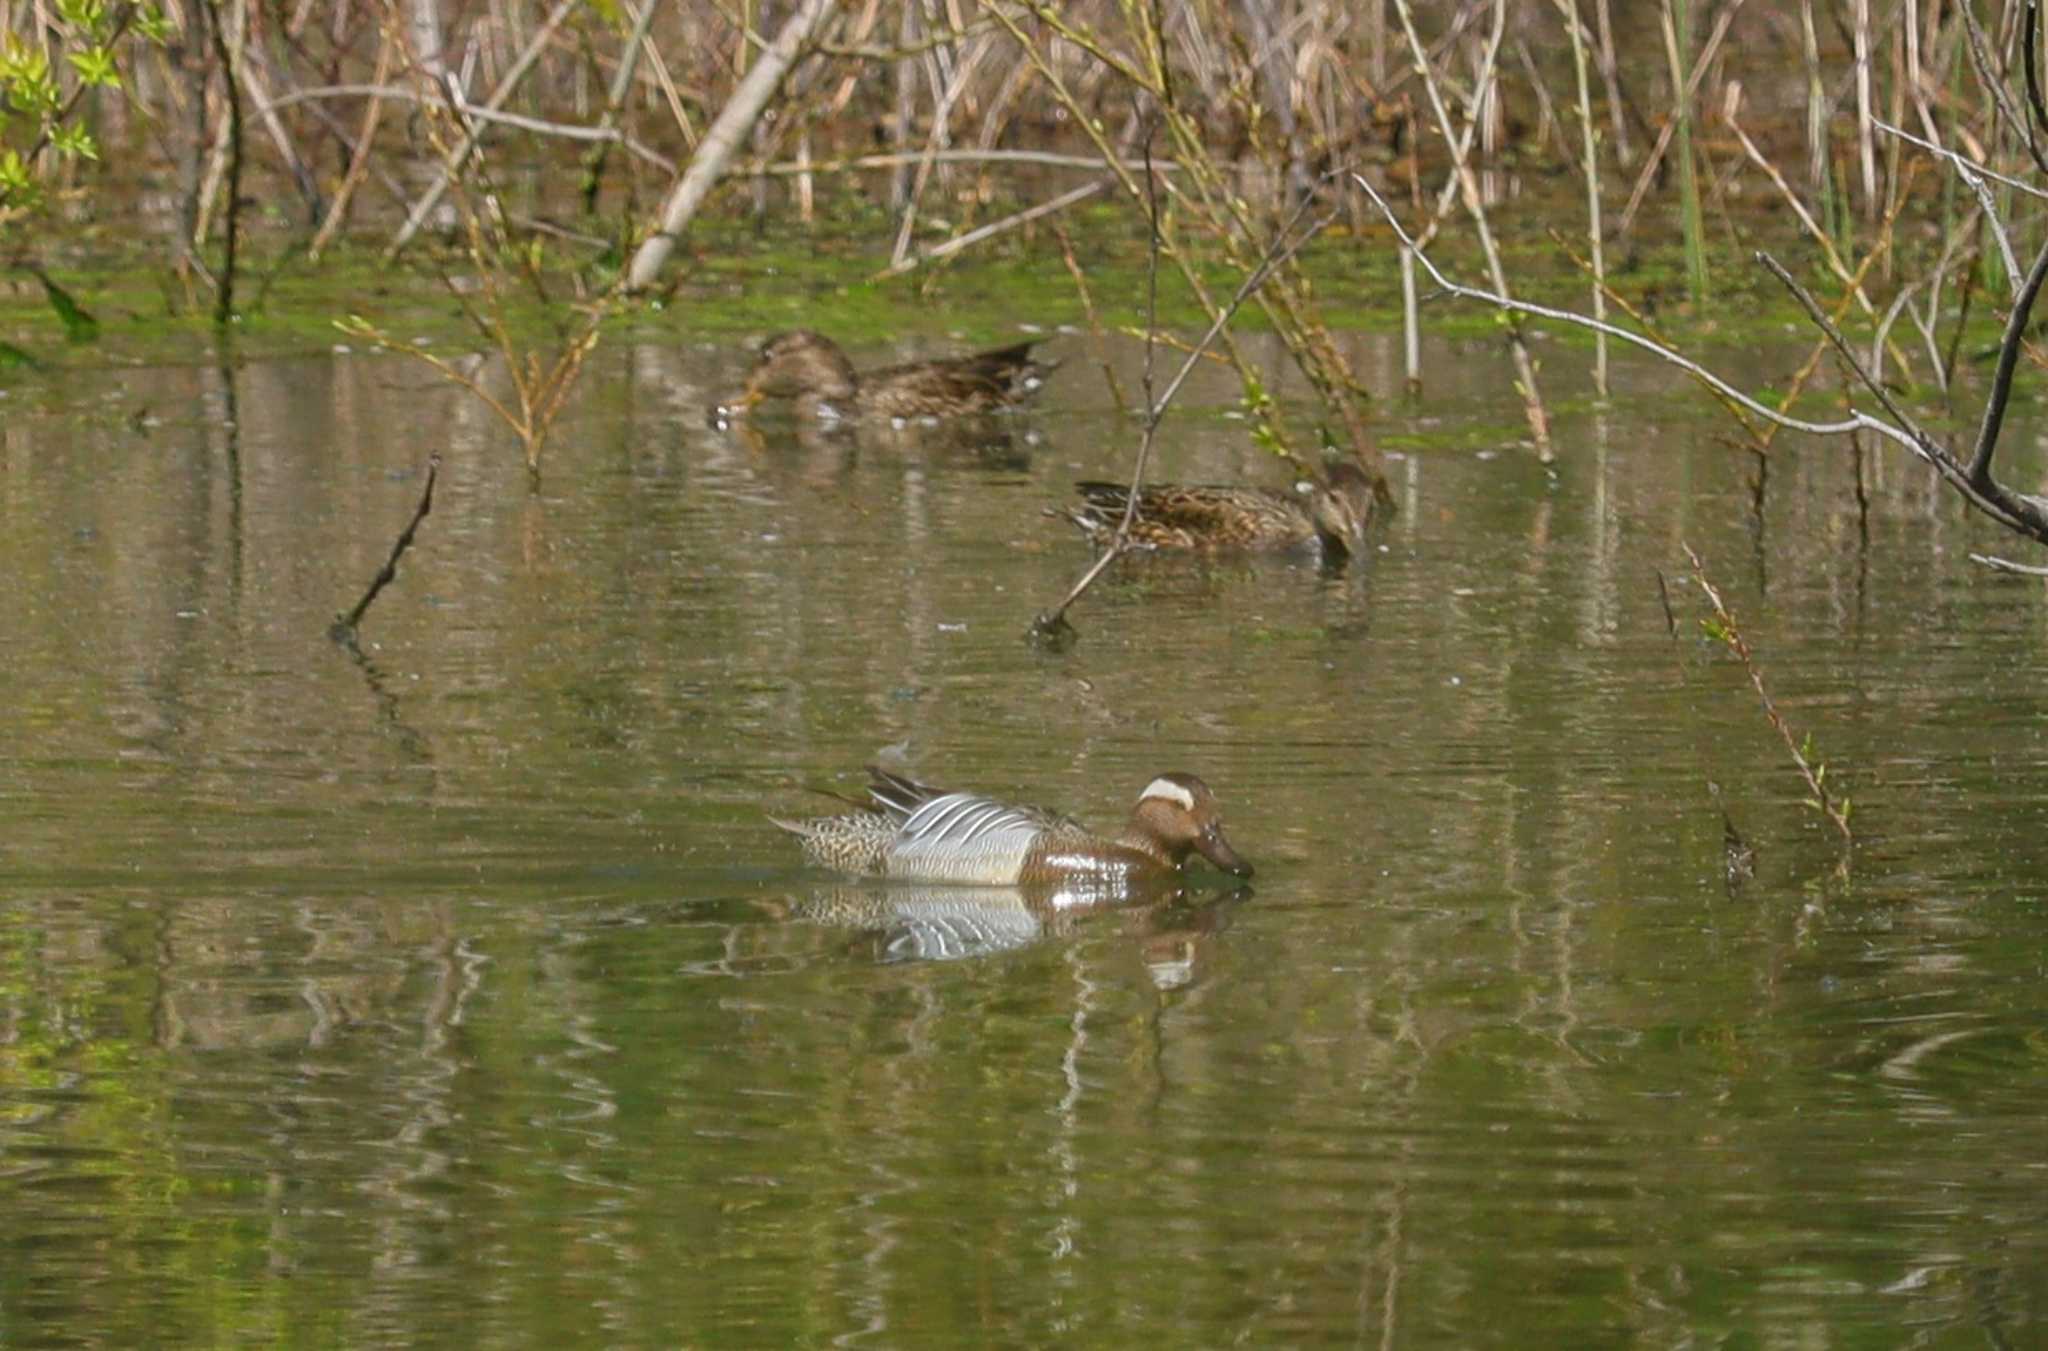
(463, 992)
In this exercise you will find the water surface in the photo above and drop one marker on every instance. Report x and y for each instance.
(461, 991)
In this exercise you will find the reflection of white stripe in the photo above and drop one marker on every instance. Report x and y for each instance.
(1171, 791)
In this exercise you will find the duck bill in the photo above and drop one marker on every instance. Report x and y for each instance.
(737, 407)
(1211, 845)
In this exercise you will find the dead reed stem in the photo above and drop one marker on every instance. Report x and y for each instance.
(1475, 206)
(732, 124)
(1589, 162)
(359, 158)
(1677, 21)
(1723, 629)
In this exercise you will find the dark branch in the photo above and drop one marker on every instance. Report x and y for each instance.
(2030, 43)
(2001, 383)
(1980, 56)
(1814, 312)
(344, 627)
(2022, 516)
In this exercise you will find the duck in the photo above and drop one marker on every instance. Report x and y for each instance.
(914, 832)
(1330, 517)
(810, 368)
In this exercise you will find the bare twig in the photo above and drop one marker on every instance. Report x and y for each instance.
(994, 227)
(1475, 206)
(1997, 564)
(1723, 629)
(1960, 161)
(1684, 363)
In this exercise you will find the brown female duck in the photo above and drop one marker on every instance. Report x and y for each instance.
(810, 368)
(915, 832)
(1329, 517)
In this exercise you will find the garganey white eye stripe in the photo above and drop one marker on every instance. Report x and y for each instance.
(1170, 791)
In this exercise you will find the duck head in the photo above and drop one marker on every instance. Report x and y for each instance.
(1342, 506)
(1178, 815)
(800, 364)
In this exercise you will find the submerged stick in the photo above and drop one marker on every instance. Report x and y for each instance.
(344, 626)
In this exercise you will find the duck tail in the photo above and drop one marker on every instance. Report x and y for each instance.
(897, 794)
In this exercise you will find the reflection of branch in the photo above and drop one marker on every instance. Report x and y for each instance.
(410, 742)
(344, 626)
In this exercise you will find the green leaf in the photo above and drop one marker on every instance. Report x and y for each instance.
(10, 355)
(95, 65)
(75, 141)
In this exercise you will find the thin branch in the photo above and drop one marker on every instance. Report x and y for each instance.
(1052, 625)
(1980, 56)
(1990, 211)
(1010, 222)
(1960, 160)
(2001, 383)
(1997, 564)
(2020, 515)
(1684, 363)
(452, 166)
(1726, 631)
(789, 168)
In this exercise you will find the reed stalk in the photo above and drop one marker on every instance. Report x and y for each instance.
(1677, 21)
(1866, 141)
(1475, 206)
(1610, 74)
(1816, 101)
(1590, 167)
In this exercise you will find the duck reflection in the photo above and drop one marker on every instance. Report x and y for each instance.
(900, 923)
(825, 449)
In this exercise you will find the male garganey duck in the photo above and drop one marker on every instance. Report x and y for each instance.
(914, 832)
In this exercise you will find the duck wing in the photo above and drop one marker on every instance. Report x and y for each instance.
(1196, 515)
(965, 837)
(948, 385)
